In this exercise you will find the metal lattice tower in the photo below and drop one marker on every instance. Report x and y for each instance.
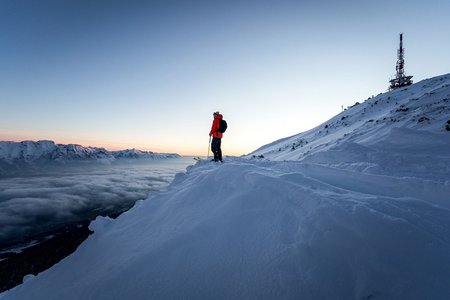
(400, 79)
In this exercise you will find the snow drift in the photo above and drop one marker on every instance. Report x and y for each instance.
(359, 212)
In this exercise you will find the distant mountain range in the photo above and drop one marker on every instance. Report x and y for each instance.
(31, 151)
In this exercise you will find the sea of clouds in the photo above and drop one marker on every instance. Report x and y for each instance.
(49, 198)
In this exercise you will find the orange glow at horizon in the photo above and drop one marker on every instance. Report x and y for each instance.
(112, 145)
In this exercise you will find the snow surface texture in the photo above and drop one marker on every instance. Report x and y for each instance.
(28, 151)
(362, 214)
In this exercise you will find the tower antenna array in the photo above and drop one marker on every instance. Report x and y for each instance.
(400, 79)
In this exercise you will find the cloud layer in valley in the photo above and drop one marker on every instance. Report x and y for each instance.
(35, 204)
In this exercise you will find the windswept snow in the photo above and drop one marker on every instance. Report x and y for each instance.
(265, 230)
(357, 210)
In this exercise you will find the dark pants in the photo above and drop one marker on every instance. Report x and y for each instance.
(215, 147)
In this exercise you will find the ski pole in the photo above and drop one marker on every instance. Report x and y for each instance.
(209, 143)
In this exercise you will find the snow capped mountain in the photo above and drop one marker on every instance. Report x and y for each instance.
(357, 208)
(29, 151)
(415, 111)
(135, 153)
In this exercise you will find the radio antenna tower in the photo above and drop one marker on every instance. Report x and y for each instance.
(400, 79)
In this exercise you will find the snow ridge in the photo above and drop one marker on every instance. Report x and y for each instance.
(424, 106)
(265, 230)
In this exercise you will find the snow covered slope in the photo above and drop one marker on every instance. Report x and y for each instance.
(416, 111)
(265, 230)
(28, 151)
(359, 212)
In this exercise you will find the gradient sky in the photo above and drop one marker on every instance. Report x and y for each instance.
(149, 74)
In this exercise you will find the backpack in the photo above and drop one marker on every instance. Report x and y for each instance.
(223, 126)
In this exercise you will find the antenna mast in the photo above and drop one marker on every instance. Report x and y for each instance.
(400, 79)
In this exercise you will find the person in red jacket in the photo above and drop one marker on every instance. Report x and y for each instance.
(216, 137)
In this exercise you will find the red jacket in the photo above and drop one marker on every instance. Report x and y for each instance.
(215, 127)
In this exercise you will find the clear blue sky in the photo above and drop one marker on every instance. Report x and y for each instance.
(149, 74)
